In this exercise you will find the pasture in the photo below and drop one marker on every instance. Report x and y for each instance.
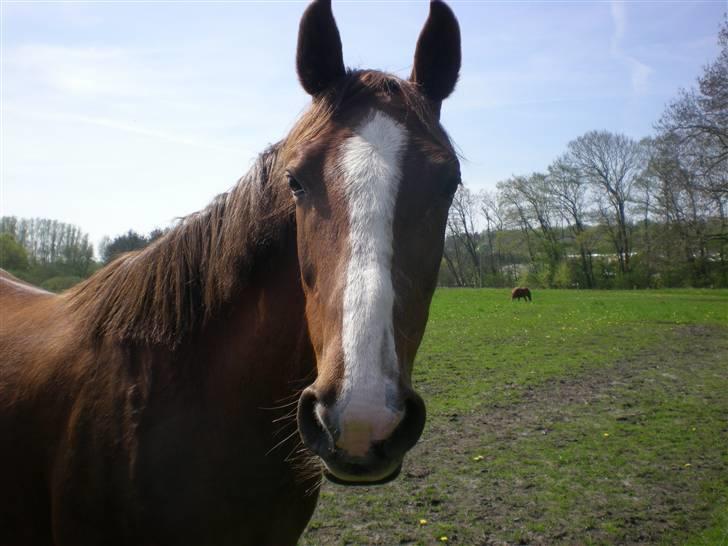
(582, 418)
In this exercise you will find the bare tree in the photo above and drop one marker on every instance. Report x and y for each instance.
(611, 163)
(516, 213)
(462, 255)
(695, 127)
(493, 214)
(569, 192)
(685, 207)
(534, 209)
(698, 119)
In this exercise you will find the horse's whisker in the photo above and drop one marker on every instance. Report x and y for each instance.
(279, 444)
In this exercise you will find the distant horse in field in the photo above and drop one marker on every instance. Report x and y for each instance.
(521, 292)
(194, 392)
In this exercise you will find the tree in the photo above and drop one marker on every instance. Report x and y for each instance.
(569, 192)
(695, 127)
(131, 240)
(611, 164)
(491, 209)
(698, 118)
(533, 209)
(461, 254)
(52, 247)
(13, 256)
(155, 234)
(684, 209)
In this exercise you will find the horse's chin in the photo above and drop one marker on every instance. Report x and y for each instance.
(361, 479)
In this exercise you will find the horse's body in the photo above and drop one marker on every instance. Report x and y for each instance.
(107, 442)
(521, 292)
(160, 402)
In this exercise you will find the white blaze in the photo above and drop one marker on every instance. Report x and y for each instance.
(371, 166)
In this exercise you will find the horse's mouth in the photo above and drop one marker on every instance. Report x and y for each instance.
(356, 475)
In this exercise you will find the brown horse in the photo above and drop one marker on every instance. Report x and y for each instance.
(193, 392)
(521, 292)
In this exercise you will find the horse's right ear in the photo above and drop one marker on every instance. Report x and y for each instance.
(319, 58)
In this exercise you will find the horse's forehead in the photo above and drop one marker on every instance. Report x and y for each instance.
(369, 162)
(387, 138)
(383, 118)
(376, 135)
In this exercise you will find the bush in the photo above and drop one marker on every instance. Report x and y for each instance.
(566, 275)
(534, 278)
(12, 254)
(59, 284)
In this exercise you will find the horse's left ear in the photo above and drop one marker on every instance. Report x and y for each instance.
(319, 57)
(438, 57)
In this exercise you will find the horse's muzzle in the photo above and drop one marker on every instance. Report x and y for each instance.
(382, 461)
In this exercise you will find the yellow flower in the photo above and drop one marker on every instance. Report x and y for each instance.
(443, 538)
(423, 522)
(606, 434)
(478, 458)
(688, 465)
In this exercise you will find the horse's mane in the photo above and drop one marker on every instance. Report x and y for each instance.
(178, 282)
(168, 288)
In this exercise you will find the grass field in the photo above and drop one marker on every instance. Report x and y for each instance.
(582, 418)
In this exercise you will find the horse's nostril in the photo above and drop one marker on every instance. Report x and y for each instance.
(311, 426)
(353, 449)
(409, 430)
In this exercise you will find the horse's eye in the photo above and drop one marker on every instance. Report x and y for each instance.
(452, 186)
(296, 188)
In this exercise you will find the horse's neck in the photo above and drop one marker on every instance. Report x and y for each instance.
(261, 342)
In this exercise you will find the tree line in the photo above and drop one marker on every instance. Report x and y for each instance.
(610, 211)
(56, 255)
(45, 252)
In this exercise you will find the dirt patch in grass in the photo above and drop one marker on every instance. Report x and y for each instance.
(628, 453)
(539, 407)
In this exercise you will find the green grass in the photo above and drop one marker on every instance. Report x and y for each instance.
(486, 344)
(593, 418)
(716, 534)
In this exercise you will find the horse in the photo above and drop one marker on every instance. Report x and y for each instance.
(195, 392)
(521, 292)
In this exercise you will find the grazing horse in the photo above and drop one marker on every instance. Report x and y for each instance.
(521, 292)
(194, 392)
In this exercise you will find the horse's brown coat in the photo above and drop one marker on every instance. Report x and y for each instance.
(155, 402)
(112, 441)
(521, 292)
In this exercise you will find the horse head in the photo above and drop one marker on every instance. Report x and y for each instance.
(372, 174)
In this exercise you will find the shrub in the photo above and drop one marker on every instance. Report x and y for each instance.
(59, 284)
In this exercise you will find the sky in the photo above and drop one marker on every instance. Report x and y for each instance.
(120, 115)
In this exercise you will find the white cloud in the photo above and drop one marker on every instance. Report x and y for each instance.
(639, 71)
(619, 17)
(640, 75)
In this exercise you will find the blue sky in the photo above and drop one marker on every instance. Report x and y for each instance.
(119, 115)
